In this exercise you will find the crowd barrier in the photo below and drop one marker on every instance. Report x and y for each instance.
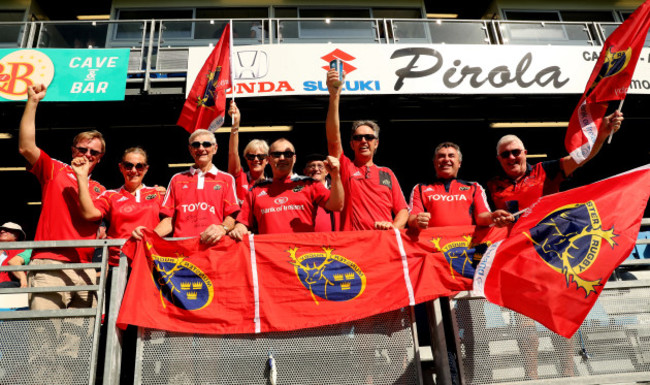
(473, 342)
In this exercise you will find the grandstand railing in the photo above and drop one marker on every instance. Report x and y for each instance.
(160, 47)
(613, 344)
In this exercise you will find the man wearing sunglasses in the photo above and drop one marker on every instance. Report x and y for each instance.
(373, 197)
(288, 203)
(201, 201)
(60, 217)
(521, 184)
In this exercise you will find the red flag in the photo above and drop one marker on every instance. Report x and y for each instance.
(278, 282)
(205, 106)
(563, 249)
(609, 80)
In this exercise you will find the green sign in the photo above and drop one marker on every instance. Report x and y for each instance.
(69, 74)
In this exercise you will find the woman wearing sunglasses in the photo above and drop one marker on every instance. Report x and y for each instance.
(125, 208)
(256, 155)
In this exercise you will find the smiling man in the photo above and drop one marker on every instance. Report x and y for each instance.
(201, 201)
(521, 184)
(373, 197)
(449, 201)
(60, 218)
(288, 203)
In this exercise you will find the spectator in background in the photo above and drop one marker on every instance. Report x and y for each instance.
(373, 197)
(449, 201)
(60, 218)
(315, 169)
(287, 203)
(201, 201)
(521, 184)
(256, 154)
(13, 232)
(125, 208)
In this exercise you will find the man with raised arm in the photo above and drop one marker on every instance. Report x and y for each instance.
(373, 197)
(60, 215)
(521, 184)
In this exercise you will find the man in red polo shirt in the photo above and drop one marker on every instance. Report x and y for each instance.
(325, 221)
(60, 215)
(521, 184)
(449, 201)
(13, 232)
(201, 201)
(373, 197)
(287, 203)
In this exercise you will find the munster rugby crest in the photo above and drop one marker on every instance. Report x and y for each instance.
(462, 255)
(328, 276)
(569, 240)
(181, 283)
(613, 64)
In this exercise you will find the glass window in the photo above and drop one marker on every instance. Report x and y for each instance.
(607, 16)
(12, 15)
(241, 29)
(532, 15)
(396, 13)
(133, 31)
(332, 13)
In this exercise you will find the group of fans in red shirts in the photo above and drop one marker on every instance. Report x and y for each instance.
(207, 202)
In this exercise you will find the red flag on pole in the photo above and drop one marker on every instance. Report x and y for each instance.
(609, 80)
(205, 106)
(563, 249)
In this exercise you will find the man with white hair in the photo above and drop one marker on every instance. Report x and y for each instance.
(201, 201)
(521, 184)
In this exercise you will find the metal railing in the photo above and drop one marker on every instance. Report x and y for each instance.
(160, 48)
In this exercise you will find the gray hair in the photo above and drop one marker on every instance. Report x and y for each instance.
(370, 123)
(448, 145)
(509, 139)
(201, 132)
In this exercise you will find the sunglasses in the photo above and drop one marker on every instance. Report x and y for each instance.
(506, 154)
(287, 154)
(138, 166)
(252, 157)
(317, 166)
(84, 151)
(367, 137)
(196, 145)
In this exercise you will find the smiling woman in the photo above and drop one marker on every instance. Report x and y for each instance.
(125, 208)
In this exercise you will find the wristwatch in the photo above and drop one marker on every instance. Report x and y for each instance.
(226, 228)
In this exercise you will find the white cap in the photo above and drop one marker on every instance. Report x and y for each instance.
(15, 227)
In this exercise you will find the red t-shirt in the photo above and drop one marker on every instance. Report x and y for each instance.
(371, 194)
(195, 200)
(241, 183)
(5, 256)
(543, 178)
(60, 216)
(451, 202)
(283, 206)
(125, 211)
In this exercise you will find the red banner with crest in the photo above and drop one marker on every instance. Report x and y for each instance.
(563, 249)
(280, 282)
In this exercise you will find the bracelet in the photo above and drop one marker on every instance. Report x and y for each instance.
(234, 130)
(226, 228)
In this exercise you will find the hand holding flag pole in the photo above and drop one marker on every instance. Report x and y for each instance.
(611, 133)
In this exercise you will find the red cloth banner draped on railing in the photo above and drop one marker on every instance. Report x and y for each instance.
(559, 255)
(281, 282)
(609, 80)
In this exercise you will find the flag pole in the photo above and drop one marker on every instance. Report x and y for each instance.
(611, 134)
(232, 69)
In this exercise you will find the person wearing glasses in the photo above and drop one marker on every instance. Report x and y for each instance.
(255, 154)
(125, 209)
(201, 201)
(325, 221)
(449, 201)
(373, 197)
(521, 184)
(287, 203)
(61, 217)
